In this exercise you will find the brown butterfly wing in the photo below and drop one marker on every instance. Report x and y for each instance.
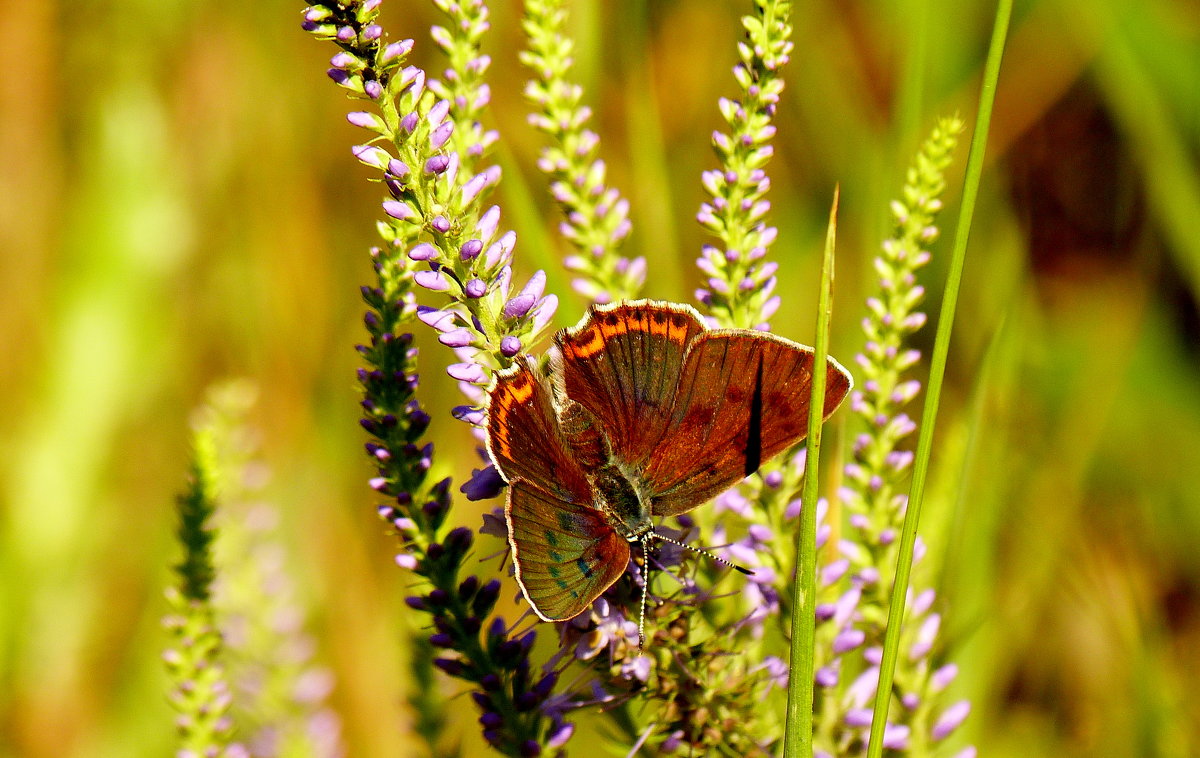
(623, 363)
(742, 399)
(524, 440)
(565, 553)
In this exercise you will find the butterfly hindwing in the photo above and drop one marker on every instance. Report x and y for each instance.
(623, 363)
(524, 437)
(743, 398)
(565, 553)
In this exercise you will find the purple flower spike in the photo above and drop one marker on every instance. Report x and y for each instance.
(437, 164)
(510, 346)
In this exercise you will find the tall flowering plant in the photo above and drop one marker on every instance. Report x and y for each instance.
(243, 679)
(710, 660)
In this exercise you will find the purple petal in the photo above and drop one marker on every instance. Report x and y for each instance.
(423, 252)
(510, 346)
(558, 735)
(467, 372)
(397, 50)
(470, 249)
(488, 223)
(519, 306)
(536, 285)
(544, 311)
(398, 210)
(895, 736)
(432, 280)
(485, 483)
(943, 676)
(847, 640)
(951, 719)
(443, 321)
(469, 413)
(460, 337)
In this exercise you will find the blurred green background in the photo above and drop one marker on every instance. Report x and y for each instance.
(179, 206)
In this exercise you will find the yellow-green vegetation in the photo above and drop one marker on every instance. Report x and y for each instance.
(179, 205)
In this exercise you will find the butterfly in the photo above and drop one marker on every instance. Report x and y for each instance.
(641, 413)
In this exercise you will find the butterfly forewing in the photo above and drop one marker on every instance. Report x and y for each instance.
(623, 365)
(565, 553)
(743, 398)
(524, 438)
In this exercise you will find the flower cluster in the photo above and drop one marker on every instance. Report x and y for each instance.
(856, 583)
(739, 283)
(201, 691)
(597, 217)
(272, 690)
(436, 233)
(280, 695)
(437, 237)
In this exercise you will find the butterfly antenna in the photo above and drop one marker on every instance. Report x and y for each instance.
(645, 590)
(700, 551)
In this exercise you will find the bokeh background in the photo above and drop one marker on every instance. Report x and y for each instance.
(178, 206)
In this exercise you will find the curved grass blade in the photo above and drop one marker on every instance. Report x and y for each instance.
(937, 370)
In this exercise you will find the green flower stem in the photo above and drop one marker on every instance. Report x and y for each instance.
(941, 348)
(798, 729)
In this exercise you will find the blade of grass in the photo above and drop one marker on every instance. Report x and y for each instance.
(937, 370)
(797, 740)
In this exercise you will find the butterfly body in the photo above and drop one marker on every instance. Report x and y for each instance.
(642, 413)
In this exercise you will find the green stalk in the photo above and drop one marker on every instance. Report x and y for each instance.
(797, 737)
(937, 370)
